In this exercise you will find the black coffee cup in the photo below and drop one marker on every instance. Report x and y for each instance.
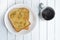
(47, 13)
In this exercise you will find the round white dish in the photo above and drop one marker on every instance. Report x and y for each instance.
(33, 19)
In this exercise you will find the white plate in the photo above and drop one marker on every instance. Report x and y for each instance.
(33, 20)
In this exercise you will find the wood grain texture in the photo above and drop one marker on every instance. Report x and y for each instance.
(44, 30)
(51, 23)
(57, 26)
(29, 35)
(3, 30)
(35, 32)
(9, 4)
(43, 25)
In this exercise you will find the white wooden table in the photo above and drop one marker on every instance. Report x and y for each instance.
(48, 30)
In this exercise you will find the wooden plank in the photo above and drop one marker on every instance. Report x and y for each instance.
(35, 32)
(11, 36)
(51, 24)
(19, 1)
(3, 30)
(28, 36)
(9, 4)
(19, 37)
(43, 25)
(57, 24)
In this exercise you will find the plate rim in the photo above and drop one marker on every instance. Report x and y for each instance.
(12, 7)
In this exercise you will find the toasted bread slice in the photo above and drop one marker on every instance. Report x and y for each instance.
(27, 28)
(19, 18)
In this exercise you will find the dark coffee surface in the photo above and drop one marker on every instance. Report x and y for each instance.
(48, 13)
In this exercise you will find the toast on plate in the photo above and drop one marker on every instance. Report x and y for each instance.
(19, 18)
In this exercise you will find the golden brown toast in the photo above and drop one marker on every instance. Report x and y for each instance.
(19, 18)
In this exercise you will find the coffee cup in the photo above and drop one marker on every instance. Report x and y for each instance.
(46, 12)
